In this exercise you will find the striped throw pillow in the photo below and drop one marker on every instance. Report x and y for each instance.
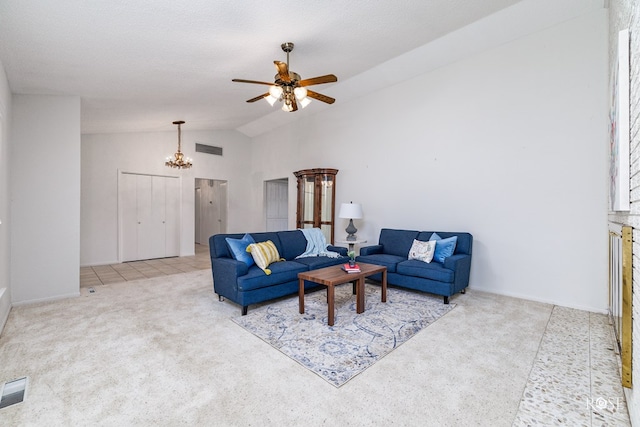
(264, 253)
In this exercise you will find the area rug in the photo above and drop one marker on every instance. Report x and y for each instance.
(356, 341)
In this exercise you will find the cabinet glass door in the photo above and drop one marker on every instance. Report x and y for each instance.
(316, 200)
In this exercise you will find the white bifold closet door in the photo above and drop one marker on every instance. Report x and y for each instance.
(149, 212)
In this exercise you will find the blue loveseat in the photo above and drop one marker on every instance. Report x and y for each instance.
(441, 278)
(246, 285)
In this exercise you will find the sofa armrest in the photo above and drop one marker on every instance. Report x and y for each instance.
(228, 268)
(452, 261)
(371, 250)
(342, 251)
(461, 265)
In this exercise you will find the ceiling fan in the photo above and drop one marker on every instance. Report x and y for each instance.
(290, 88)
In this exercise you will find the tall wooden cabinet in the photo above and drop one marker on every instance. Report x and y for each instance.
(316, 200)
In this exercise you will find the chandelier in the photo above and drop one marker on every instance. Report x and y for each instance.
(179, 161)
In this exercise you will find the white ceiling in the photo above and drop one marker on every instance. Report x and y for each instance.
(139, 65)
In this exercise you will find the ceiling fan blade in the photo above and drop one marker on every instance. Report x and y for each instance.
(329, 78)
(259, 97)
(320, 97)
(283, 70)
(251, 81)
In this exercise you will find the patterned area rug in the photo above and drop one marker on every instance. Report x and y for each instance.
(356, 341)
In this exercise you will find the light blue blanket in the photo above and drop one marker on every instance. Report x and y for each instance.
(316, 244)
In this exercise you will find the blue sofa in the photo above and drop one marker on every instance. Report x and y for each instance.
(244, 285)
(446, 279)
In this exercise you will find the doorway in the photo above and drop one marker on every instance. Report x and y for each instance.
(276, 196)
(210, 209)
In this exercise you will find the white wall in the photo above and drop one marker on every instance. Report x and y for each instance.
(104, 154)
(45, 193)
(508, 144)
(5, 199)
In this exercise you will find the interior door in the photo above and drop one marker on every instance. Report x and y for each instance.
(223, 191)
(149, 216)
(277, 205)
(172, 217)
(197, 208)
(211, 215)
(152, 238)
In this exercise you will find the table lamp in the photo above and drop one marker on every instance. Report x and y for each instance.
(350, 211)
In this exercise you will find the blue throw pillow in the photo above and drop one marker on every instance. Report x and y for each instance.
(238, 248)
(435, 236)
(444, 247)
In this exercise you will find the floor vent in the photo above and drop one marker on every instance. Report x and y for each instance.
(209, 149)
(13, 392)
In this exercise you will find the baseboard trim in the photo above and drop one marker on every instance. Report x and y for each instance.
(98, 263)
(4, 314)
(542, 300)
(47, 299)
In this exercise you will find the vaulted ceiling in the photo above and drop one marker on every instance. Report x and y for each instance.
(139, 65)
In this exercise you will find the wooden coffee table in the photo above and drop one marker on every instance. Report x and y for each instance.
(335, 275)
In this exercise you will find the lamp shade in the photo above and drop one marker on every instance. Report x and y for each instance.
(350, 210)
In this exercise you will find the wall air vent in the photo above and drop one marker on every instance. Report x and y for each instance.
(209, 149)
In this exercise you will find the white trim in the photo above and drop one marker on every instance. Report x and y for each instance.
(47, 299)
(540, 300)
(4, 316)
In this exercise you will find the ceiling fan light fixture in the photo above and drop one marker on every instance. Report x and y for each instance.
(300, 93)
(289, 88)
(304, 102)
(275, 91)
(271, 99)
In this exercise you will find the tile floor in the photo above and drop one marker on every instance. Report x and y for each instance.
(574, 378)
(126, 271)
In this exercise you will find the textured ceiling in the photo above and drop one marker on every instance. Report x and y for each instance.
(139, 65)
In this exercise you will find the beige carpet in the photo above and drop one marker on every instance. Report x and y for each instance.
(165, 352)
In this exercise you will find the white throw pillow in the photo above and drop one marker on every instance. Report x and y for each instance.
(422, 251)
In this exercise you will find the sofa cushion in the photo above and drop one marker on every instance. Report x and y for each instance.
(281, 272)
(293, 243)
(264, 253)
(432, 271)
(268, 235)
(397, 242)
(316, 262)
(389, 261)
(238, 249)
(422, 251)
